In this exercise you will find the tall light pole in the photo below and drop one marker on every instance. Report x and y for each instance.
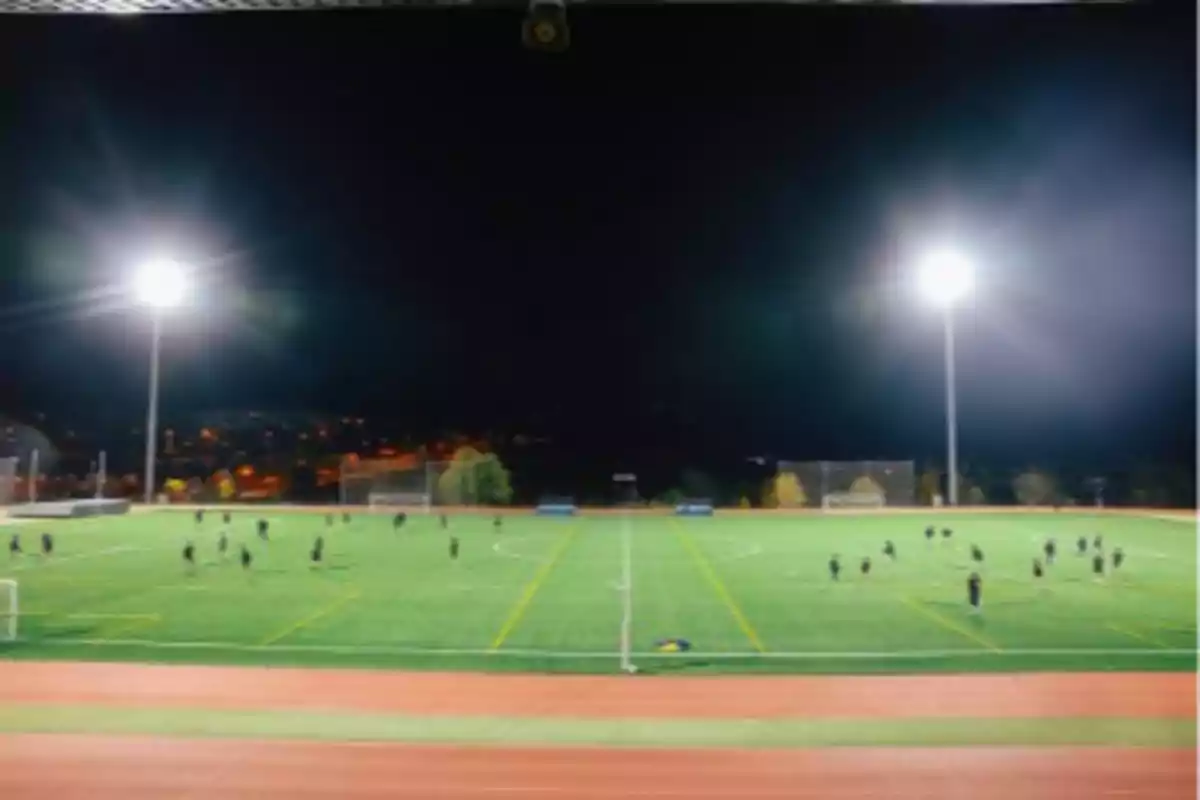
(160, 286)
(946, 279)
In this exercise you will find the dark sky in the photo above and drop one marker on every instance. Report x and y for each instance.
(694, 227)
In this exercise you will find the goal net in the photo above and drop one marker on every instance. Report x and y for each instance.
(382, 483)
(836, 500)
(846, 484)
(9, 611)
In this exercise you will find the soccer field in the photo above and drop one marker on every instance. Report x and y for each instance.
(749, 593)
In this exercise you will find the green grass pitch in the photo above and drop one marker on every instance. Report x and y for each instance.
(752, 593)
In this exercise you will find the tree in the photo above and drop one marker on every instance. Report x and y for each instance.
(697, 485)
(784, 491)
(1096, 486)
(928, 486)
(195, 489)
(175, 488)
(1034, 487)
(671, 497)
(474, 478)
(865, 484)
(220, 486)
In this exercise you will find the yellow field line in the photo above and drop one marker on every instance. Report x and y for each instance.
(714, 580)
(950, 624)
(320, 613)
(1139, 636)
(531, 589)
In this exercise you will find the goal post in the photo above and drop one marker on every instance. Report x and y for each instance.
(845, 484)
(10, 612)
(406, 483)
(383, 482)
(851, 500)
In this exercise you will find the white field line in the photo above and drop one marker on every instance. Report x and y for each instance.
(43, 562)
(599, 654)
(499, 549)
(108, 551)
(1188, 520)
(748, 550)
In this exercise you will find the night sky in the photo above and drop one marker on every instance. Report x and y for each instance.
(695, 229)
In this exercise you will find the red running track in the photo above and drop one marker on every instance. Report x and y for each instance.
(66, 767)
(1112, 695)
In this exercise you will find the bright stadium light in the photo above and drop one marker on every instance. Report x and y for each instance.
(946, 278)
(160, 285)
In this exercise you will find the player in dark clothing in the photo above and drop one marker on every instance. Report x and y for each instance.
(445, 522)
(1049, 548)
(835, 567)
(889, 549)
(225, 517)
(329, 520)
(975, 592)
(199, 515)
(865, 566)
(399, 520)
(1081, 545)
(318, 551)
(929, 532)
(1098, 565)
(345, 519)
(947, 533)
(1098, 542)
(1118, 557)
(223, 542)
(14, 545)
(1037, 568)
(453, 548)
(263, 526)
(976, 554)
(47, 544)
(189, 554)
(246, 557)
(497, 523)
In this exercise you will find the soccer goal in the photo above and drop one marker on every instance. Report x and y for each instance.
(396, 483)
(9, 610)
(846, 484)
(384, 483)
(836, 500)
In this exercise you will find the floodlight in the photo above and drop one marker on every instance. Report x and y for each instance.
(946, 277)
(161, 284)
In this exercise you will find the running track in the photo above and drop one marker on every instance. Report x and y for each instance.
(93, 767)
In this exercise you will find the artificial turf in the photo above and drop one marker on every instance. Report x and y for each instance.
(751, 593)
